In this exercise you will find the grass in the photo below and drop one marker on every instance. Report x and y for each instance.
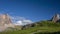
(32, 30)
(40, 28)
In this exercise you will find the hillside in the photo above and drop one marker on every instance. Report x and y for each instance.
(39, 27)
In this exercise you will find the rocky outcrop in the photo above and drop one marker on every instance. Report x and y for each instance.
(56, 18)
(5, 21)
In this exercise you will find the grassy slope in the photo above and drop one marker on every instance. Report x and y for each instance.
(37, 28)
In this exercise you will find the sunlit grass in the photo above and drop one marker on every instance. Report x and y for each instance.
(43, 27)
(34, 29)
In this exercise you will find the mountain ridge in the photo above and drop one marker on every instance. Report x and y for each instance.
(7, 23)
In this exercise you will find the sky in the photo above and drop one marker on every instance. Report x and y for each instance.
(34, 10)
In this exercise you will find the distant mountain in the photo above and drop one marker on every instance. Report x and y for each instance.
(52, 22)
(56, 18)
(5, 21)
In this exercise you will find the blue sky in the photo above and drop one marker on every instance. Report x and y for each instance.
(34, 10)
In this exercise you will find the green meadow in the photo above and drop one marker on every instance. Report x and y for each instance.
(43, 27)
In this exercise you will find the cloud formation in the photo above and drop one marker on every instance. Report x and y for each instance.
(20, 20)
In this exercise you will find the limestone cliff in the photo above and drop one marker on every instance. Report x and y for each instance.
(56, 18)
(5, 21)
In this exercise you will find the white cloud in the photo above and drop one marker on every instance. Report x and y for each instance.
(23, 22)
(20, 20)
(18, 23)
(27, 21)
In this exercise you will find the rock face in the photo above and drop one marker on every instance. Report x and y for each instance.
(56, 18)
(5, 22)
(5, 19)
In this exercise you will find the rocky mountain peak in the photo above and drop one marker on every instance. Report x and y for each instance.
(5, 19)
(55, 18)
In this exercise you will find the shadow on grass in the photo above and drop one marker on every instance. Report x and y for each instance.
(48, 33)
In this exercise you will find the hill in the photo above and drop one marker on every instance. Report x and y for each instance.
(41, 27)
